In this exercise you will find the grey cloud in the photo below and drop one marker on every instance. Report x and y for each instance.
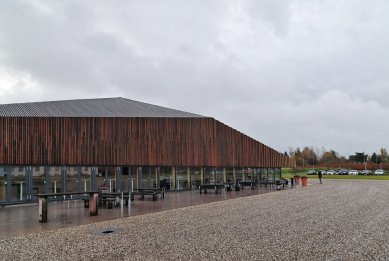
(288, 73)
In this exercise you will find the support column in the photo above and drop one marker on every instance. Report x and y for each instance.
(174, 177)
(149, 185)
(93, 207)
(233, 174)
(93, 178)
(42, 209)
(78, 180)
(139, 176)
(46, 170)
(224, 175)
(118, 179)
(9, 171)
(157, 177)
(130, 188)
(202, 175)
(189, 182)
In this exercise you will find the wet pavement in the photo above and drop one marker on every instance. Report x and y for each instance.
(23, 219)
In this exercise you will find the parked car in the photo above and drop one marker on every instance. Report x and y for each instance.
(312, 172)
(365, 172)
(343, 172)
(379, 172)
(353, 172)
(323, 172)
(331, 172)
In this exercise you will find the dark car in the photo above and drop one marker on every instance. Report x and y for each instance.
(343, 172)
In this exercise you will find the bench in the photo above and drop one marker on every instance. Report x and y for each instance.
(113, 198)
(217, 187)
(266, 182)
(43, 200)
(155, 193)
(251, 184)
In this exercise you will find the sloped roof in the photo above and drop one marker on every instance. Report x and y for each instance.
(104, 107)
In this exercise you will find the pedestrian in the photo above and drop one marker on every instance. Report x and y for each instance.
(319, 175)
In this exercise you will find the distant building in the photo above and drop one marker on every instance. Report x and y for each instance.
(80, 145)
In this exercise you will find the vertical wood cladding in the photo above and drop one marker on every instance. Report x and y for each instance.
(130, 141)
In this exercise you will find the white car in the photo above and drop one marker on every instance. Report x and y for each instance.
(353, 172)
(379, 172)
(331, 172)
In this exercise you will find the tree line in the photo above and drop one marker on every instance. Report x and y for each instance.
(309, 156)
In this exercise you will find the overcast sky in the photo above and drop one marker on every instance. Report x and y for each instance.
(287, 73)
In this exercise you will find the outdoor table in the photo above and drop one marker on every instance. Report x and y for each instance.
(93, 208)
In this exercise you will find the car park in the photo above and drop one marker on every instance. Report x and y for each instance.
(331, 172)
(379, 172)
(312, 172)
(365, 172)
(352, 172)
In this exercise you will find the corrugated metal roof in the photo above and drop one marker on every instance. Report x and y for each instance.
(104, 107)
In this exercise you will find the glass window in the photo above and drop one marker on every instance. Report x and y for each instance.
(209, 175)
(111, 179)
(72, 179)
(219, 175)
(18, 184)
(38, 181)
(230, 174)
(239, 174)
(166, 177)
(101, 182)
(55, 180)
(3, 184)
(182, 177)
(134, 177)
(195, 177)
(85, 179)
(248, 174)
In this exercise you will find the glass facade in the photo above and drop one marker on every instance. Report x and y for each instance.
(182, 178)
(39, 180)
(167, 175)
(3, 184)
(195, 177)
(230, 174)
(19, 184)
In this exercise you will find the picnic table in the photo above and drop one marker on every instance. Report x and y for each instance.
(43, 200)
(154, 192)
(112, 198)
(216, 187)
(252, 184)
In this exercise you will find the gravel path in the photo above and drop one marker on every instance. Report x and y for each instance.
(339, 220)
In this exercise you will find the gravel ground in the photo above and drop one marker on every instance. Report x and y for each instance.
(339, 220)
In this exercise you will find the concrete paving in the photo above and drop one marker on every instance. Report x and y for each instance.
(23, 219)
(339, 220)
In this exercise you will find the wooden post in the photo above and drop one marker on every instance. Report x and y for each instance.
(93, 208)
(42, 209)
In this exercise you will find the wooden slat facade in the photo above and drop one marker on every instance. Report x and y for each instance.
(130, 141)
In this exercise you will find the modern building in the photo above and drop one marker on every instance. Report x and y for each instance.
(80, 145)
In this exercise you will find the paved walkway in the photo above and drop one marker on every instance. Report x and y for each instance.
(23, 219)
(339, 220)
